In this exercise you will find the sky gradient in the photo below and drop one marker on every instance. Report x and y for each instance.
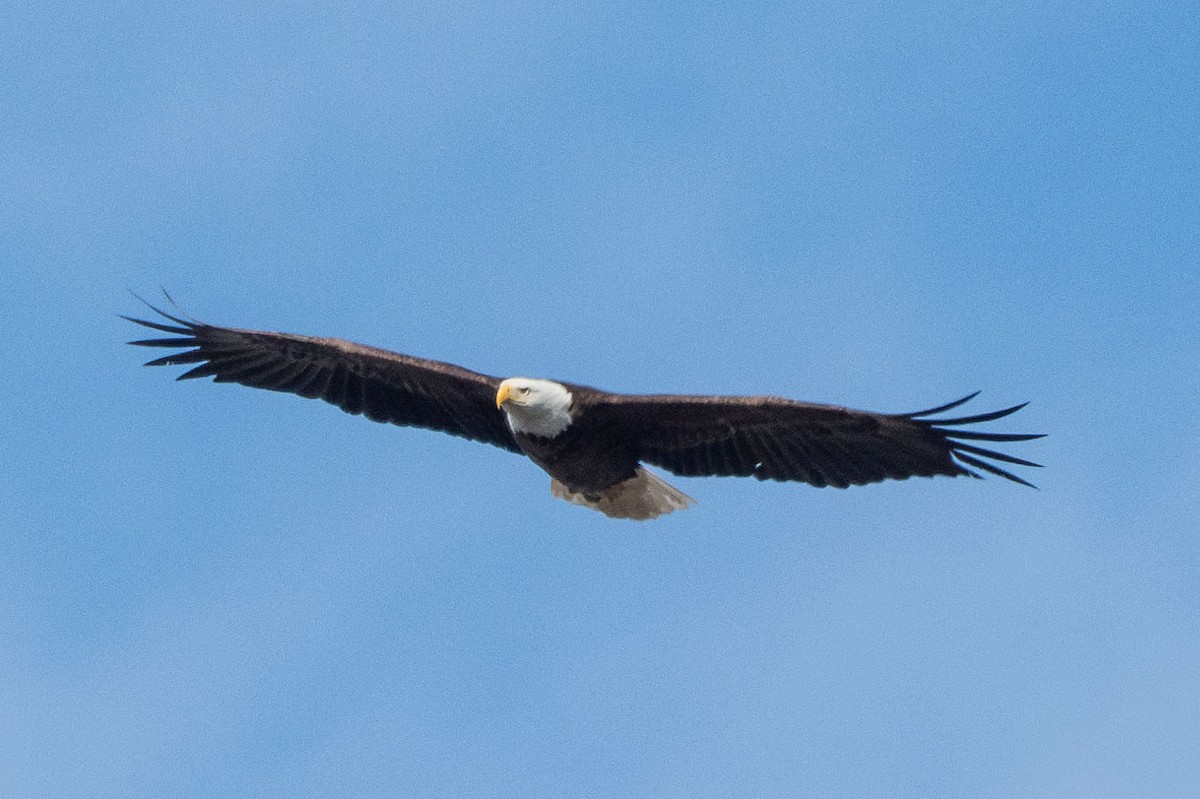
(213, 591)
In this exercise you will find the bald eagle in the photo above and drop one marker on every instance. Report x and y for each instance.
(591, 442)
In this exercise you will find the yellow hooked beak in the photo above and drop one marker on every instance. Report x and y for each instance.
(502, 395)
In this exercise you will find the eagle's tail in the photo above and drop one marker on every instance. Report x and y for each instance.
(643, 496)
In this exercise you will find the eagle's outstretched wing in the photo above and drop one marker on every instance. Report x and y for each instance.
(779, 439)
(383, 386)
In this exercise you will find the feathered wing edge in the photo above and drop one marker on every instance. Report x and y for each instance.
(773, 438)
(184, 328)
(970, 454)
(396, 388)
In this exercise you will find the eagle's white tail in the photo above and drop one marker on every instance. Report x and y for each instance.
(643, 496)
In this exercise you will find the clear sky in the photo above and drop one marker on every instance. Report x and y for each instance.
(212, 591)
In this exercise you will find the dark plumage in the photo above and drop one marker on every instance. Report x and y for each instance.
(383, 386)
(598, 439)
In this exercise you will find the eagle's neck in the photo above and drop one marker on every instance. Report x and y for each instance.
(546, 413)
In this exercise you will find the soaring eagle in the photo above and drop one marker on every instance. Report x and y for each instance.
(593, 443)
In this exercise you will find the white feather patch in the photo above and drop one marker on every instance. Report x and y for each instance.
(643, 496)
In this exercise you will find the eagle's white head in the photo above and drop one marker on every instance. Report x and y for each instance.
(535, 407)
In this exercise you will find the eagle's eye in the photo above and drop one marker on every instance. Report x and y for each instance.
(524, 390)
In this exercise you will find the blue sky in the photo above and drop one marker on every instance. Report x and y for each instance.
(212, 591)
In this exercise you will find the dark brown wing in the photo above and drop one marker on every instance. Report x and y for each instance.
(778, 439)
(383, 386)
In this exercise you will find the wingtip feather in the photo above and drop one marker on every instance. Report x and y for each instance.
(183, 319)
(965, 453)
(942, 408)
(992, 469)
